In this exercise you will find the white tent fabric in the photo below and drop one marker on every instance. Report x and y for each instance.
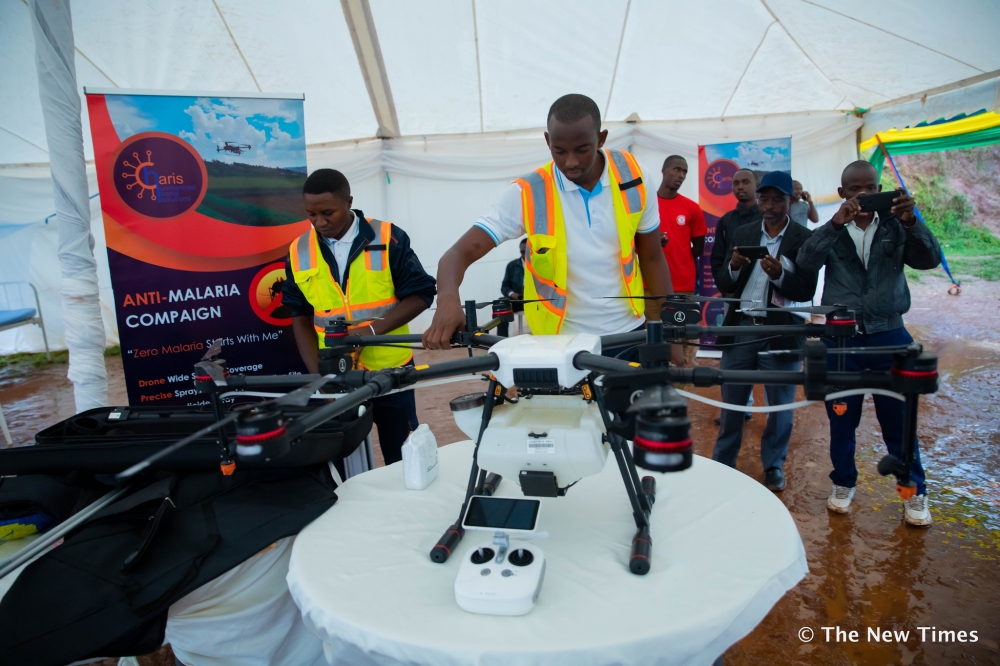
(471, 81)
(81, 309)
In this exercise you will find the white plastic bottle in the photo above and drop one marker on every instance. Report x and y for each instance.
(420, 458)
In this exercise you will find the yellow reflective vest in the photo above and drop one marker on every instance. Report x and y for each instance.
(370, 290)
(547, 259)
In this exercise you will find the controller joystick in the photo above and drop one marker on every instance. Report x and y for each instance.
(482, 555)
(521, 557)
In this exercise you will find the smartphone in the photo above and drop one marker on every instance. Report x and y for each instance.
(501, 513)
(871, 203)
(753, 252)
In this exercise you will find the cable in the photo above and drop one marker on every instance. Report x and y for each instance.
(791, 405)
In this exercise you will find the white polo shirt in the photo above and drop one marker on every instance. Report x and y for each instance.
(592, 245)
(342, 248)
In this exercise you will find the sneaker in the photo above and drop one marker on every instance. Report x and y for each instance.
(840, 499)
(917, 511)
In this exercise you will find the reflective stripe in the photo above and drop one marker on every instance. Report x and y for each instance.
(303, 250)
(628, 266)
(555, 298)
(538, 203)
(625, 174)
(374, 259)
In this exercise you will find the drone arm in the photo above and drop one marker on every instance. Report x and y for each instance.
(601, 364)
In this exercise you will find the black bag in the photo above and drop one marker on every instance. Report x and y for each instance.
(106, 589)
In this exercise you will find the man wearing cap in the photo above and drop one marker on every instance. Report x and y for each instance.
(762, 284)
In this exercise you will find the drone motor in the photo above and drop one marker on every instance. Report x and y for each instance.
(662, 440)
(260, 433)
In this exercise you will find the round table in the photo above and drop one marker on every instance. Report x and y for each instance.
(724, 551)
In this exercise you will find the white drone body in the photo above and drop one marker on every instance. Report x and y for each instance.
(558, 434)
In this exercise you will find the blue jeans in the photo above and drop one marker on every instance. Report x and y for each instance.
(889, 411)
(774, 442)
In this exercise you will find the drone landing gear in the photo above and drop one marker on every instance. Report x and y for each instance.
(641, 493)
(480, 482)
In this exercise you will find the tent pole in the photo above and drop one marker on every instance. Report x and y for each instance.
(956, 286)
(52, 25)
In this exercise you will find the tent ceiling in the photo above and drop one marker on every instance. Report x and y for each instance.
(457, 66)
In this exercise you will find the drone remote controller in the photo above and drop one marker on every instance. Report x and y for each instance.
(501, 577)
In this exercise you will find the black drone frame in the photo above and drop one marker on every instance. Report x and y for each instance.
(636, 400)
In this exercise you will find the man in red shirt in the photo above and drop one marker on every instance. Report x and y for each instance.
(682, 233)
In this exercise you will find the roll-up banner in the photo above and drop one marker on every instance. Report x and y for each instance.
(717, 163)
(201, 196)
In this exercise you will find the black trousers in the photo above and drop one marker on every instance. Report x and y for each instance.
(395, 417)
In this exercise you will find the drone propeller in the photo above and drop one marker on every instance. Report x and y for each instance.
(815, 309)
(693, 299)
(480, 306)
(354, 322)
(213, 351)
(297, 398)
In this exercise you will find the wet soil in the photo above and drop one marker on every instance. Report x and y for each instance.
(867, 569)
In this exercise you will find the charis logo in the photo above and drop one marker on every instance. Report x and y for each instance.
(159, 175)
(719, 176)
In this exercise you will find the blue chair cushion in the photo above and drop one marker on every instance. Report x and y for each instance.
(8, 317)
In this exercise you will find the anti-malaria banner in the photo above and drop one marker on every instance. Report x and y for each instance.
(201, 197)
(716, 165)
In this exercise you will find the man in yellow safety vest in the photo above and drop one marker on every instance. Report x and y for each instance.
(362, 269)
(592, 226)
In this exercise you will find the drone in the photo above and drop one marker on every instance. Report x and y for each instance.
(234, 148)
(605, 403)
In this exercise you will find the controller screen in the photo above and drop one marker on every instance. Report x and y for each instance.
(502, 513)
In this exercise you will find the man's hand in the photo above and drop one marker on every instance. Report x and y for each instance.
(806, 197)
(771, 266)
(847, 212)
(515, 296)
(903, 207)
(448, 318)
(738, 261)
(663, 239)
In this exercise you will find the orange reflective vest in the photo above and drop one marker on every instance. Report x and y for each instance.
(546, 264)
(370, 290)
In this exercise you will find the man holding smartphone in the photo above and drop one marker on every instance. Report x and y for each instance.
(765, 271)
(864, 252)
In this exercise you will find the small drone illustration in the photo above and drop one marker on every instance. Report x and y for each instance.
(234, 148)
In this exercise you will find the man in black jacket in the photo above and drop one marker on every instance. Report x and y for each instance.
(864, 254)
(343, 247)
(746, 212)
(762, 284)
(513, 285)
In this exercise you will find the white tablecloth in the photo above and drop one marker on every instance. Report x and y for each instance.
(724, 551)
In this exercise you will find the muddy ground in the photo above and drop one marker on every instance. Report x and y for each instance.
(867, 569)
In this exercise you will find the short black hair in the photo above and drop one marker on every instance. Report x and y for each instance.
(321, 181)
(751, 172)
(795, 181)
(857, 164)
(671, 158)
(523, 241)
(573, 107)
